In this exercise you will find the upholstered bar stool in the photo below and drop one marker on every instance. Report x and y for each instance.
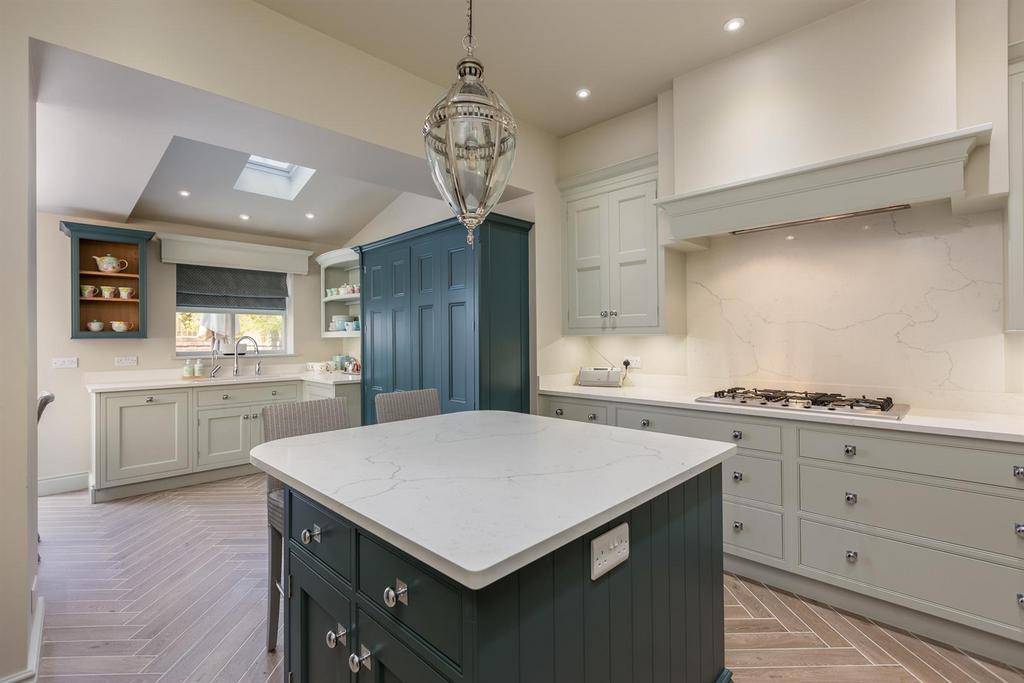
(279, 422)
(405, 405)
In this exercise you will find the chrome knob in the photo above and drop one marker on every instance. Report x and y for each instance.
(737, 435)
(604, 314)
(150, 399)
(559, 412)
(1020, 599)
(849, 450)
(737, 476)
(274, 392)
(361, 660)
(255, 416)
(1018, 471)
(851, 555)
(645, 423)
(1019, 529)
(851, 498)
(340, 634)
(398, 594)
(592, 416)
(613, 314)
(224, 397)
(246, 416)
(737, 526)
(307, 536)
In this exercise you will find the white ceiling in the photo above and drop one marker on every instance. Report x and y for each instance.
(537, 53)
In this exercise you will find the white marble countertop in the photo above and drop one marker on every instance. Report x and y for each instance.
(479, 495)
(996, 426)
(175, 382)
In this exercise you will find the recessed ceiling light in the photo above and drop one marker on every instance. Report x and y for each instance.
(583, 93)
(310, 216)
(734, 24)
(244, 216)
(184, 193)
(790, 237)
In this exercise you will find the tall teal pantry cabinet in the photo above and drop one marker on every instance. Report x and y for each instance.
(437, 312)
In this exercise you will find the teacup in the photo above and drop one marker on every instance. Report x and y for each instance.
(121, 325)
(95, 325)
(108, 292)
(89, 291)
(126, 292)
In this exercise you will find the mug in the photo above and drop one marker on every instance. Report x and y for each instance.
(89, 291)
(108, 291)
(95, 325)
(121, 325)
(126, 292)
(355, 325)
(349, 326)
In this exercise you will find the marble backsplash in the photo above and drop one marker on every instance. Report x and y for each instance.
(909, 302)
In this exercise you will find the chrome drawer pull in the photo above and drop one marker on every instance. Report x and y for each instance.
(851, 498)
(339, 635)
(645, 423)
(1018, 471)
(851, 556)
(224, 397)
(737, 526)
(306, 536)
(849, 450)
(559, 412)
(737, 435)
(737, 476)
(150, 399)
(592, 416)
(398, 594)
(1019, 529)
(361, 660)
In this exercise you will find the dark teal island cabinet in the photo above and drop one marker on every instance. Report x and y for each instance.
(497, 547)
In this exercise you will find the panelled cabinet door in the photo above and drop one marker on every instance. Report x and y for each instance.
(458, 384)
(383, 659)
(587, 262)
(225, 436)
(319, 628)
(377, 377)
(633, 257)
(144, 436)
(255, 426)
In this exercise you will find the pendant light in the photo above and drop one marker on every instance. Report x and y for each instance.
(470, 139)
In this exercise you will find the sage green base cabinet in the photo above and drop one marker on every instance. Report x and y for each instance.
(143, 436)
(919, 530)
(352, 393)
(357, 604)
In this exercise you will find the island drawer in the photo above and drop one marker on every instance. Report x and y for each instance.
(233, 394)
(752, 528)
(577, 411)
(985, 590)
(324, 534)
(413, 596)
(746, 476)
(918, 509)
(932, 459)
(747, 435)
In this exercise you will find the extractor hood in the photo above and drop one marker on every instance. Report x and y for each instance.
(879, 180)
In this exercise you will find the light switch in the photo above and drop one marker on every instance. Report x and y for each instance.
(64, 362)
(609, 550)
(125, 361)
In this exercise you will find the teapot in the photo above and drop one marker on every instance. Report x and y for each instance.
(110, 263)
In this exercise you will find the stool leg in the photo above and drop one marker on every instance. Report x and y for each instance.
(273, 594)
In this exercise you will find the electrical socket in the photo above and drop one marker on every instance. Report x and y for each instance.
(609, 550)
(64, 362)
(634, 362)
(125, 361)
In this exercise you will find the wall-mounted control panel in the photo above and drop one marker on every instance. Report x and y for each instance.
(608, 551)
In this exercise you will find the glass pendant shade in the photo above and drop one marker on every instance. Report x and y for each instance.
(470, 139)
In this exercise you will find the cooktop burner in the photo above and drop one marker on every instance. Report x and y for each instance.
(815, 401)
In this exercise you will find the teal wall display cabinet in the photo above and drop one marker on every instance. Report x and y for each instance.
(108, 281)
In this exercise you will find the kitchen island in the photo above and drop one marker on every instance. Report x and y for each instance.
(460, 548)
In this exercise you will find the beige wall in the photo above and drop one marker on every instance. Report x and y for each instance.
(630, 136)
(64, 436)
(406, 212)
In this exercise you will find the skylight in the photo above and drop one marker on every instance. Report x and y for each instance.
(273, 178)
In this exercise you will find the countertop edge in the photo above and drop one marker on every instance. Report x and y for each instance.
(905, 425)
(176, 383)
(479, 579)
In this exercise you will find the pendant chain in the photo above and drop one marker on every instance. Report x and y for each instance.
(469, 42)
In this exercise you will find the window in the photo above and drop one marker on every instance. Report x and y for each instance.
(228, 303)
(266, 165)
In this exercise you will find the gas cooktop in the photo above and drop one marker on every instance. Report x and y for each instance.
(810, 401)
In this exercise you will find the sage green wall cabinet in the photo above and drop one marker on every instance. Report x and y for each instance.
(615, 271)
(915, 529)
(143, 435)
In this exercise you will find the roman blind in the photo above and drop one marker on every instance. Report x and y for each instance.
(231, 288)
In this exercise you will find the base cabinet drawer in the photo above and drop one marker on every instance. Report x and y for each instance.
(752, 528)
(750, 435)
(574, 411)
(745, 476)
(379, 657)
(232, 394)
(319, 628)
(325, 535)
(987, 523)
(413, 596)
(983, 589)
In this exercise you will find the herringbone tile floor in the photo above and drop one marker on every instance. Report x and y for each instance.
(170, 587)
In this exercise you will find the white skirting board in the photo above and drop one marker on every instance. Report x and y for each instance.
(35, 647)
(63, 483)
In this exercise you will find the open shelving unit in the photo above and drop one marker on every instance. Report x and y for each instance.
(337, 268)
(89, 241)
